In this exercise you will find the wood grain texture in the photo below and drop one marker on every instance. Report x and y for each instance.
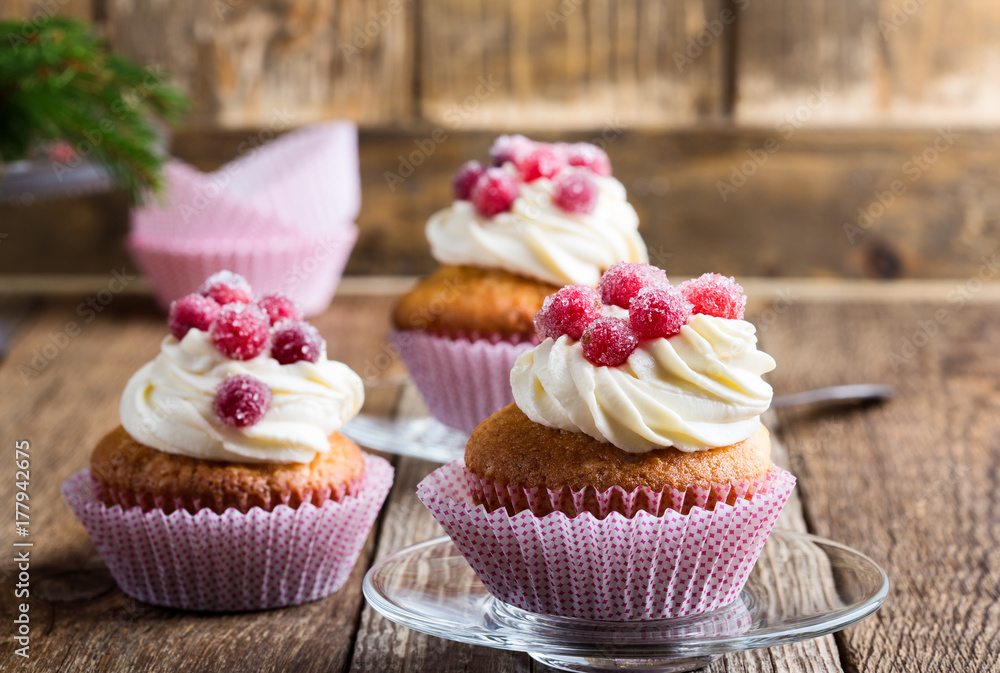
(912, 483)
(558, 64)
(790, 211)
(276, 65)
(916, 63)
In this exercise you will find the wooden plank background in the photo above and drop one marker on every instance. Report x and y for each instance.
(790, 212)
(563, 64)
(764, 125)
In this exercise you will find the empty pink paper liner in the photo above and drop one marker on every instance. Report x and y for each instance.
(618, 567)
(462, 381)
(232, 561)
(281, 215)
(305, 267)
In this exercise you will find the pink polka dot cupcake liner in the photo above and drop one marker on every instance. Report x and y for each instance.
(232, 562)
(281, 215)
(640, 566)
(464, 380)
(306, 267)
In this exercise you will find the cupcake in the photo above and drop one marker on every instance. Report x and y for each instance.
(631, 478)
(540, 217)
(227, 485)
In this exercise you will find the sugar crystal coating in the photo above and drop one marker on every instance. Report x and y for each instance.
(465, 178)
(241, 400)
(588, 156)
(226, 287)
(608, 341)
(542, 162)
(279, 307)
(494, 192)
(575, 193)
(568, 311)
(716, 295)
(624, 280)
(510, 148)
(295, 341)
(658, 311)
(240, 331)
(193, 311)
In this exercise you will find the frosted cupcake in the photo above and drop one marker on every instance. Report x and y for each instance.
(227, 485)
(632, 477)
(540, 217)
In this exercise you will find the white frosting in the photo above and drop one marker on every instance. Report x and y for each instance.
(167, 404)
(695, 391)
(540, 240)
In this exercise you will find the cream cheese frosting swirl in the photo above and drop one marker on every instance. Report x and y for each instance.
(538, 239)
(697, 390)
(167, 404)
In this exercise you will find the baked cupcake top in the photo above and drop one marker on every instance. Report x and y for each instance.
(551, 212)
(241, 381)
(679, 367)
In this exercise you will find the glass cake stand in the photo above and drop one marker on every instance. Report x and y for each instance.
(802, 587)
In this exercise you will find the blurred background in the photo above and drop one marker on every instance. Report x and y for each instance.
(775, 138)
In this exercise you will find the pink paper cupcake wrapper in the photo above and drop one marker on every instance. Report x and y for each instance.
(463, 382)
(615, 568)
(232, 561)
(306, 268)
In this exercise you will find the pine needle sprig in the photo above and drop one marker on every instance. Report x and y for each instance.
(59, 82)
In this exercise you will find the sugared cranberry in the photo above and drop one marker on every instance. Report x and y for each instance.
(226, 287)
(542, 162)
(624, 280)
(192, 311)
(575, 193)
(465, 178)
(568, 311)
(588, 156)
(658, 311)
(494, 192)
(296, 341)
(241, 401)
(240, 331)
(715, 294)
(510, 149)
(279, 307)
(608, 341)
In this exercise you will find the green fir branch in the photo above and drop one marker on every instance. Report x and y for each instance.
(59, 82)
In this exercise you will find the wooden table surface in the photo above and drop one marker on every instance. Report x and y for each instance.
(912, 483)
